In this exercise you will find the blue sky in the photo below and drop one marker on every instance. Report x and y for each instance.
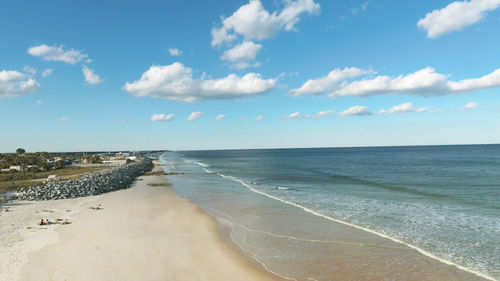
(120, 75)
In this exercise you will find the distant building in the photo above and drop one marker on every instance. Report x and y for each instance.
(122, 155)
(16, 168)
(20, 168)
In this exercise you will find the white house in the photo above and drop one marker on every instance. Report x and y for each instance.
(16, 168)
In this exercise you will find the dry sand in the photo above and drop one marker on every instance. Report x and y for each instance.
(141, 233)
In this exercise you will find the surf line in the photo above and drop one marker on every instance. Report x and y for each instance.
(425, 253)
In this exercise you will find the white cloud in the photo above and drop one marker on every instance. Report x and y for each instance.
(175, 82)
(90, 76)
(39, 102)
(293, 116)
(194, 115)
(220, 117)
(260, 117)
(319, 114)
(123, 121)
(57, 53)
(244, 64)
(253, 21)
(362, 8)
(491, 80)
(29, 69)
(241, 53)
(15, 84)
(162, 117)
(47, 72)
(63, 119)
(356, 110)
(470, 105)
(424, 82)
(456, 16)
(404, 108)
(174, 52)
(322, 84)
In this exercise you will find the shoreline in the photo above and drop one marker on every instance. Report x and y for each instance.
(140, 233)
(42, 252)
(437, 266)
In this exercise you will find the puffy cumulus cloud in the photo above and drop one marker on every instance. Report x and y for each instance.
(260, 117)
(319, 114)
(90, 76)
(491, 80)
(456, 16)
(242, 53)
(47, 72)
(470, 105)
(424, 82)
(176, 82)
(322, 84)
(57, 53)
(359, 110)
(404, 108)
(253, 21)
(162, 117)
(174, 52)
(194, 115)
(220, 117)
(293, 116)
(15, 84)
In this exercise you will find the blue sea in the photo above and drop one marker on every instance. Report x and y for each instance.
(394, 213)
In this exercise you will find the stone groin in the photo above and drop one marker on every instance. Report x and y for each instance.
(91, 184)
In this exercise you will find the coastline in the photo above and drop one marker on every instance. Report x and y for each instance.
(140, 233)
(342, 252)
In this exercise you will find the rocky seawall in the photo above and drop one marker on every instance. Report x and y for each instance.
(92, 184)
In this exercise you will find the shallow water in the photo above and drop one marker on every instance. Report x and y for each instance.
(284, 207)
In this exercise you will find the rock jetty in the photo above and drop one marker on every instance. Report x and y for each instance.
(91, 184)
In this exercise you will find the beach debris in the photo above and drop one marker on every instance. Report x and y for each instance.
(96, 208)
(160, 184)
(57, 221)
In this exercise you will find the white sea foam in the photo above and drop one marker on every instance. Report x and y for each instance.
(282, 188)
(197, 163)
(208, 171)
(422, 251)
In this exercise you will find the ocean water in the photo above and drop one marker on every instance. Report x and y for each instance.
(395, 213)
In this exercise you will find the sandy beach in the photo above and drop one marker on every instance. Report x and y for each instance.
(140, 233)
